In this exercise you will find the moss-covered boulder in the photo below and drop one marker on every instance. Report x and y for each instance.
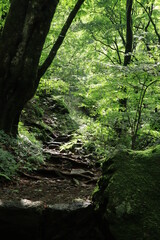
(128, 194)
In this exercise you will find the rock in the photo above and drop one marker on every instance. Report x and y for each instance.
(20, 220)
(29, 220)
(70, 221)
(128, 195)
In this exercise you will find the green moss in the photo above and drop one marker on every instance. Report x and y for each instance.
(129, 196)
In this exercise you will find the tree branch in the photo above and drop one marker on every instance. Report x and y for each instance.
(113, 21)
(118, 52)
(43, 68)
(97, 50)
(151, 19)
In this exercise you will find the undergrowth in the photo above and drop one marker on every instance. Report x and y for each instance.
(44, 117)
(20, 154)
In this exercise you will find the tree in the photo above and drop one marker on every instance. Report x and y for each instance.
(21, 44)
(126, 54)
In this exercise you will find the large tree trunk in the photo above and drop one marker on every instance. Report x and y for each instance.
(21, 44)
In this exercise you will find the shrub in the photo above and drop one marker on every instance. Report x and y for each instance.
(19, 154)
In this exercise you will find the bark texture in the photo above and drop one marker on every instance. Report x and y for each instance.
(129, 33)
(21, 44)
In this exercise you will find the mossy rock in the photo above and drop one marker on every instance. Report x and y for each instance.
(128, 195)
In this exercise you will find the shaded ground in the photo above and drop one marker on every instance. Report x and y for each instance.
(64, 178)
(47, 190)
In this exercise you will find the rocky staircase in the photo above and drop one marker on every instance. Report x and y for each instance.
(74, 165)
(39, 220)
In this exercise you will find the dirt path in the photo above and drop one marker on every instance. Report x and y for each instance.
(65, 177)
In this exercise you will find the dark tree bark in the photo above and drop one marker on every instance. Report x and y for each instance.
(128, 47)
(129, 33)
(21, 44)
(22, 40)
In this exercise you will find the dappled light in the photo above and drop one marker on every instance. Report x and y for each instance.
(80, 119)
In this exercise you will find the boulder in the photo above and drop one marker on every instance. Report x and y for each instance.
(29, 220)
(128, 195)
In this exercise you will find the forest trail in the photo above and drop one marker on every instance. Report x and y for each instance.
(65, 177)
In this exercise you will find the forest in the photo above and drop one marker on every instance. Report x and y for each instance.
(80, 109)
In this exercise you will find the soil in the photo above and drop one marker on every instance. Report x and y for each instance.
(64, 178)
(49, 191)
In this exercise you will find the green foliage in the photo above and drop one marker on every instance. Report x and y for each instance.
(52, 87)
(29, 152)
(4, 7)
(18, 154)
(88, 72)
(97, 77)
(8, 165)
